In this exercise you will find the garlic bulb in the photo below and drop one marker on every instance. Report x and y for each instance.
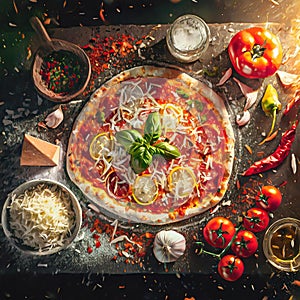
(168, 246)
(55, 118)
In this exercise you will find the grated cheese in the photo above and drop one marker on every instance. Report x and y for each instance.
(137, 99)
(42, 217)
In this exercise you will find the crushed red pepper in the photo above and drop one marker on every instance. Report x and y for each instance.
(108, 52)
(131, 252)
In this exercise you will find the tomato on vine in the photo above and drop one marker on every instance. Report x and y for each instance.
(244, 244)
(269, 198)
(230, 267)
(256, 219)
(218, 232)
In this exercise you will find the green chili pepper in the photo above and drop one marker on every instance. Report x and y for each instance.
(271, 105)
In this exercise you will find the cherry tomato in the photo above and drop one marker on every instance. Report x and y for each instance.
(255, 52)
(269, 198)
(218, 232)
(230, 267)
(256, 219)
(245, 244)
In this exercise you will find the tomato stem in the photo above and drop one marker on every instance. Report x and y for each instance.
(258, 51)
(231, 241)
(264, 199)
(217, 255)
(223, 252)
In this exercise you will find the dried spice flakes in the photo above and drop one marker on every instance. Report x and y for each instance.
(131, 247)
(111, 51)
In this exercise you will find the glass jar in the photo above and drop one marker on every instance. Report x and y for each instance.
(188, 38)
(281, 244)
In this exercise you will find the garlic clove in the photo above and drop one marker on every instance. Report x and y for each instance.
(248, 92)
(245, 89)
(225, 77)
(55, 118)
(250, 99)
(168, 246)
(243, 119)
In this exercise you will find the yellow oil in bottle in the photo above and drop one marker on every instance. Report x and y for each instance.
(285, 242)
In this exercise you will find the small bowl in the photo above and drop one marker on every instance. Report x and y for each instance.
(85, 73)
(50, 47)
(281, 244)
(18, 242)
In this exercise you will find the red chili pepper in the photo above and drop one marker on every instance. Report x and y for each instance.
(278, 156)
(292, 103)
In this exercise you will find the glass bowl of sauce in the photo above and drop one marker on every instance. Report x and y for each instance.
(281, 244)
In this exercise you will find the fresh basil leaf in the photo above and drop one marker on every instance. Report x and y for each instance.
(127, 137)
(182, 93)
(135, 147)
(140, 160)
(167, 151)
(152, 129)
(195, 103)
(151, 149)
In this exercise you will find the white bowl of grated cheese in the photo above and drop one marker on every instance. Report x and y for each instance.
(41, 217)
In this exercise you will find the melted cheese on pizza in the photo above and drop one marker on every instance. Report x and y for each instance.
(189, 122)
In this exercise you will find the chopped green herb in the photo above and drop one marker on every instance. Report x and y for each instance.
(212, 72)
(182, 93)
(195, 103)
(60, 72)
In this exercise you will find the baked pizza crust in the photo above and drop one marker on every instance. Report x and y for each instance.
(132, 211)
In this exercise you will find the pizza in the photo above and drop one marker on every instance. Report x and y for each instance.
(152, 145)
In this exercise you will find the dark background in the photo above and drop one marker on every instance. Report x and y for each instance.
(15, 34)
(15, 31)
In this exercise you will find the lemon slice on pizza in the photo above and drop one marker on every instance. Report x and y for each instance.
(144, 189)
(181, 181)
(101, 146)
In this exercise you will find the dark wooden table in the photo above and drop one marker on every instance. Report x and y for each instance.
(194, 275)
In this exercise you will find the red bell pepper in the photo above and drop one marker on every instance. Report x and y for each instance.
(255, 52)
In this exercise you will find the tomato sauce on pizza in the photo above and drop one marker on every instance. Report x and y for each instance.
(191, 117)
